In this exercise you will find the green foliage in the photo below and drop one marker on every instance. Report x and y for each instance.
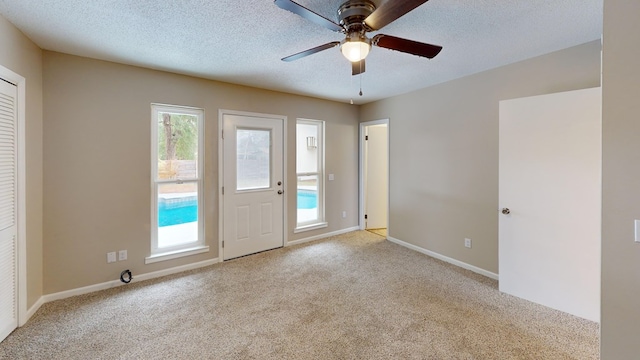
(184, 133)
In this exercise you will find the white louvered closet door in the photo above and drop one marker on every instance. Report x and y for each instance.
(8, 191)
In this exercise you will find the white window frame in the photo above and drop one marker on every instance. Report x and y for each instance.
(190, 248)
(320, 222)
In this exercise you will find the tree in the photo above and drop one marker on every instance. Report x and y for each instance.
(177, 137)
(169, 137)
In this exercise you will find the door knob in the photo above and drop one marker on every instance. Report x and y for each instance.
(279, 183)
(506, 211)
(280, 192)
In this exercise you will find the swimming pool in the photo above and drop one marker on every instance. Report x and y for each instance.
(307, 199)
(172, 212)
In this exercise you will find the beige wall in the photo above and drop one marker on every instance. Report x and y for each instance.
(444, 151)
(97, 162)
(23, 57)
(620, 186)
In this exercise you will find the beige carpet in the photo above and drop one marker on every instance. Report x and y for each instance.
(381, 232)
(355, 296)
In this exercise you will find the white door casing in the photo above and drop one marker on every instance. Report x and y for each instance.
(253, 183)
(8, 209)
(376, 176)
(550, 180)
(364, 126)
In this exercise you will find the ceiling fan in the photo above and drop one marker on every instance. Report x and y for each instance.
(356, 19)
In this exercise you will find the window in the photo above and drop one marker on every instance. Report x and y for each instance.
(176, 173)
(310, 173)
(253, 149)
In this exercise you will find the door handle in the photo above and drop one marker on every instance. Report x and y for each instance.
(279, 183)
(506, 211)
(280, 192)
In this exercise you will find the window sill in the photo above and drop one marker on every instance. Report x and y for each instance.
(304, 228)
(175, 254)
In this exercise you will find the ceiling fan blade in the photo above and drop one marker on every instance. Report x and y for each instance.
(406, 46)
(357, 67)
(389, 11)
(308, 14)
(311, 51)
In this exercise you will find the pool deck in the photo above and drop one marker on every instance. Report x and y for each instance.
(177, 234)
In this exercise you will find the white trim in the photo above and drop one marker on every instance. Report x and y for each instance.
(320, 175)
(322, 236)
(115, 283)
(171, 252)
(175, 254)
(310, 227)
(447, 259)
(35, 307)
(21, 84)
(363, 126)
(221, 113)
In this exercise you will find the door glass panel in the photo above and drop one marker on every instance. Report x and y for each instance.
(177, 146)
(307, 198)
(253, 159)
(177, 214)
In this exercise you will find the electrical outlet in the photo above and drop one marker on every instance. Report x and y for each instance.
(111, 257)
(344, 214)
(467, 243)
(122, 255)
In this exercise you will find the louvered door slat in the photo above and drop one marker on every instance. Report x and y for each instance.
(8, 191)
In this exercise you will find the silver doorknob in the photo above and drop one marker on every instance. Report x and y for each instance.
(506, 211)
(280, 192)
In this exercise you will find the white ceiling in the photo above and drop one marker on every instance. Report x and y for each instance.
(242, 41)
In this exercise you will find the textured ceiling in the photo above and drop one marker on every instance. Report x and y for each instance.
(242, 41)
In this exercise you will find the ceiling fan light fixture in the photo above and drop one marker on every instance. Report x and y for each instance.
(355, 50)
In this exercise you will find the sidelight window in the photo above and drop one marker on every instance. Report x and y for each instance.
(310, 174)
(177, 165)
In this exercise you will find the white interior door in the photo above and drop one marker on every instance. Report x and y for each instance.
(8, 191)
(376, 176)
(253, 184)
(550, 180)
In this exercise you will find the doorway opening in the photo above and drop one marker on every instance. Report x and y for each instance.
(374, 176)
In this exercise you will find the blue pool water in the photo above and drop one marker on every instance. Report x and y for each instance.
(174, 213)
(184, 211)
(307, 199)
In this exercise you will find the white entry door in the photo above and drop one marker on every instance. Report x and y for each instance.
(376, 177)
(549, 198)
(8, 192)
(253, 184)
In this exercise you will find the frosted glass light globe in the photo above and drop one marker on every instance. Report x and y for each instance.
(355, 50)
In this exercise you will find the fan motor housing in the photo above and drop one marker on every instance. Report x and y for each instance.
(354, 12)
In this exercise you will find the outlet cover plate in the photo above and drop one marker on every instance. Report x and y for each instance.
(111, 257)
(467, 243)
(122, 255)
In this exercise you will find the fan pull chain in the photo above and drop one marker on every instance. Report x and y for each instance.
(351, 87)
(360, 93)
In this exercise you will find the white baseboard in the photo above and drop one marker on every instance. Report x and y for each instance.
(322, 236)
(152, 275)
(115, 283)
(32, 310)
(447, 259)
